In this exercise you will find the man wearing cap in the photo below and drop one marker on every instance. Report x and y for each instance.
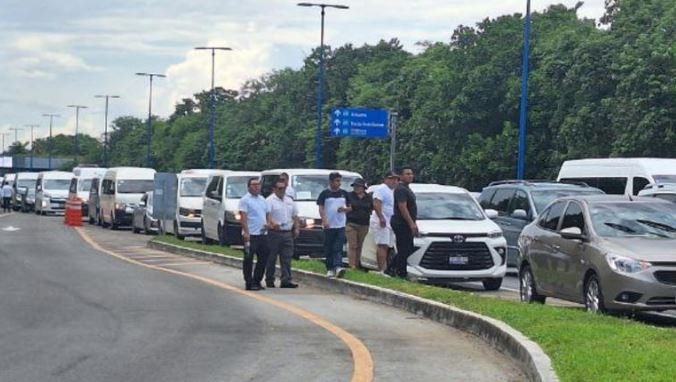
(357, 221)
(383, 209)
(333, 204)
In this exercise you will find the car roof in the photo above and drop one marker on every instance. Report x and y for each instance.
(540, 184)
(307, 171)
(604, 198)
(429, 187)
(252, 174)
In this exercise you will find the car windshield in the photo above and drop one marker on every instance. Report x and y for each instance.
(447, 206)
(649, 219)
(308, 187)
(236, 186)
(134, 186)
(665, 178)
(668, 197)
(543, 198)
(57, 184)
(192, 187)
(84, 185)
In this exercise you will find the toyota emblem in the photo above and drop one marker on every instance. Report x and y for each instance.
(458, 239)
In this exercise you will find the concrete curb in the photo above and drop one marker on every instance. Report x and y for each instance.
(528, 355)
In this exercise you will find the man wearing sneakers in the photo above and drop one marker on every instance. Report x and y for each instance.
(383, 209)
(334, 203)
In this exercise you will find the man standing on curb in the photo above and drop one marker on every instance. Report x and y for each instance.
(404, 222)
(254, 211)
(6, 196)
(357, 222)
(380, 224)
(334, 203)
(283, 229)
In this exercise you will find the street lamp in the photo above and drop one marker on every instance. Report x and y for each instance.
(318, 136)
(105, 127)
(523, 109)
(51, 143)
(77, 126)
(212, 103)
(150, 108)
(3, 142)
(31, 127)
(16, 131)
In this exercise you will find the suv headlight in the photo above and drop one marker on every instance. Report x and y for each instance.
(233, 216)
(309, 223)
(495, 234)
(624, 264)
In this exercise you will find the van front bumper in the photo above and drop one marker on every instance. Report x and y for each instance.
(189, 226)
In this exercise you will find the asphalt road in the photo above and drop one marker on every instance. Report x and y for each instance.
(69, 312)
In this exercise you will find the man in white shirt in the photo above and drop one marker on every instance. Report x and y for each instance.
(290, 192)
(334, 204)
(283, 229)
(254, 211)
(6, 196)
(383, 209)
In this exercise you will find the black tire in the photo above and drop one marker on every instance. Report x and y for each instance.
(146, 229)
(113, 225)
(176, 231)
(527, 291)
(205, 239)
(593, 295)
(492, 284)
(222, 239)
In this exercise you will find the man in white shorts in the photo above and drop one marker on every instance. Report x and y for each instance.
(383, 209)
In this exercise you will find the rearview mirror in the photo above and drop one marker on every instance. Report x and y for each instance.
(491, 214)
(520, 214)
(215, 195)
(572, 233)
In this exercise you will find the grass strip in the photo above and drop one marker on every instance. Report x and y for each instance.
(582, 346)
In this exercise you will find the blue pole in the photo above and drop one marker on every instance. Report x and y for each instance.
(318, 136)
(521, 166)
(212, 113)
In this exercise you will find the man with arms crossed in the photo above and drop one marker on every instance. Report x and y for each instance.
(254, 211)
(283, 228)
(383, 209)
(334, 203)
(404, 222)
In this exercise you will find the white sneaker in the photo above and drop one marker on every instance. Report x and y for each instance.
(382, 273)
(340, 272)
(331, 274)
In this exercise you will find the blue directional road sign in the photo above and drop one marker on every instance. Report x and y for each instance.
(359, 123)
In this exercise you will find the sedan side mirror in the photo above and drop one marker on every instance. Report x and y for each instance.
(491, 214)
(520, 214)
(572, 233)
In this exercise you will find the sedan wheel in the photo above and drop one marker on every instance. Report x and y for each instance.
(593, 297)
(527, 291)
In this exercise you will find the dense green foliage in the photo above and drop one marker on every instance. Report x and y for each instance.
(595, 91)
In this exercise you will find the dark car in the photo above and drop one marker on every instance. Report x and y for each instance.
(142, 219)
(519, 202)
(615, 253)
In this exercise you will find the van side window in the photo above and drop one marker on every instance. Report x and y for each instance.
(212, 186)
(108, 188)
(220, 187)
(573, 217)
(38, 185)
(611, 186)
(485, 198)
(639, 183)
(500, 201)
(552, 221)
(94, 187)
(73, 186)
(520, 202)
(267, 184)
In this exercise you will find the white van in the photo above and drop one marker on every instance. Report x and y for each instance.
(51, 191)
(220, 216)
(619, 175)
(94, 200)
(186, 221)
(24, 191)
(306, 185)
(81, 184)
(666, 191)
(121, 190)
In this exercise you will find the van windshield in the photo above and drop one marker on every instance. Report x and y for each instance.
(447, 206)
(84, 185)
(30, 183)
(193, 187)
(308, 187)
(664, 178)
(57, 184)
(134, 186)
(236, 186)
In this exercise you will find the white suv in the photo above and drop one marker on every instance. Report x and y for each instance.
(458, 242)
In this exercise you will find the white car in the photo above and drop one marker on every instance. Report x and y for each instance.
(666, 191)
(458, 241)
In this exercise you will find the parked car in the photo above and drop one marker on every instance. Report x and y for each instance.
(51, 192)
(142, 219)
(519, 202)
(24, 191)
(121, 190)
(81, 184)
(458, 241)
(306, 185)
(666, 191)
(610, 253)
(189, 204)
(94, 200)
(220, 216)
(619, 175)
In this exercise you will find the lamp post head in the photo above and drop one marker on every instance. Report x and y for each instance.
(322, 5)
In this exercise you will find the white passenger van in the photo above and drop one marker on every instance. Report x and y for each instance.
(121, 190)
(24, 191)
(220, 216)
(187, 217)
(51, 191)
(81, 184)
(619, 175)
(306, 185)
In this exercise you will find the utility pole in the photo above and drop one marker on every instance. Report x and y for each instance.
(51, 143)
(105, 127)
(32, 127)
(16, 131)
(212, 104)
(393, 138)
(523, 112)
(3, 142)
(77, 127)
(150, 109)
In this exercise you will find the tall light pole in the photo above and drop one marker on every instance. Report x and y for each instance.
(150, 109)
(3, 142)
(105, 127)
(77, 128)
(212, 103)
(523, 116)
(32, 127)
(16, 133)
(51, 144)
(320, 81)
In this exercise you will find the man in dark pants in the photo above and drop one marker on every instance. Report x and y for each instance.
(403, 222)
(334, 204)
(254, 211)
(283, 229)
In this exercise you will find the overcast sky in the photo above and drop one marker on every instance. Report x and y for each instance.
(60, 52)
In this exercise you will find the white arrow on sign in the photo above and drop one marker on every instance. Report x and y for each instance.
(336, 122)
(336, 131)
(11, 229)
(337, 113)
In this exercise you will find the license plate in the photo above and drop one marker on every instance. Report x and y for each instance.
(458, 260)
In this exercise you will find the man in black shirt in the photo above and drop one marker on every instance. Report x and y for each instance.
(404, 222)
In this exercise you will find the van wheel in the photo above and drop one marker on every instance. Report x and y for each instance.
(527, 291)
(176, 231)
(492, 284)
(113, 225)
(205, 239)
(222, 240)
(146, 230)
(593, 296)
(134, 229)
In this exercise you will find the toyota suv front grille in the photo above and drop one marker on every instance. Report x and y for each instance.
(449, 256)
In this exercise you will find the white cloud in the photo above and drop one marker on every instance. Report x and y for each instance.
(44, 56)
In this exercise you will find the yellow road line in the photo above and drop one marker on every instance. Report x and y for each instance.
(361, 357)
(186, 263)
